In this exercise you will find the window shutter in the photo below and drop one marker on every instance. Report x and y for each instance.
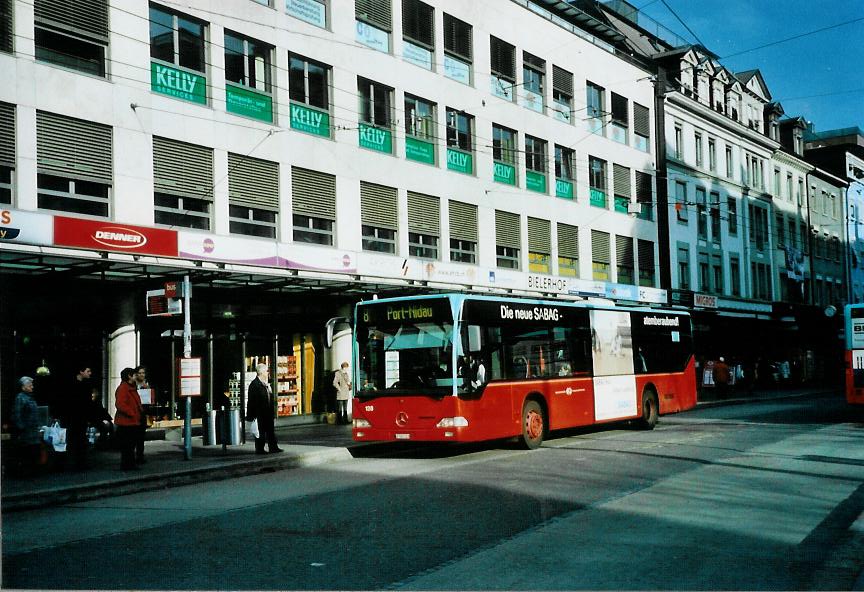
(503, 58)
(417, 22)
(81, 16)
(313, 193)
(641, 120)
(621, 180)
(66, 146)
(507, 232)
(6, 26)
(562, 80)
(568, 241)
(253, 182)
(624, 250)
(644, 193)
(182, 169)
(379, 205)
(534, 61)
(600, 247)
(7, 134)
(424, 213)
(619, 108)
(463, 221)
(457, 37)
(375, 12)
(539, 236)
(646, 256)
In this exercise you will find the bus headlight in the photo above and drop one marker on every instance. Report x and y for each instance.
(361, 423)
(453, 422)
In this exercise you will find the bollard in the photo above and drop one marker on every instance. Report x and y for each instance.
(223, 432)
(234, 426)
(209, 436)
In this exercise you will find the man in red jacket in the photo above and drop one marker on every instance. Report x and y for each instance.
(128, 418)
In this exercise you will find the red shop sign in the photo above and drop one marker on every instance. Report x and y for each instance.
(114, 236)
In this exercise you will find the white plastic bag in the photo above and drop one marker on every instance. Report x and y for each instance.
(55, 436)
(252, 428)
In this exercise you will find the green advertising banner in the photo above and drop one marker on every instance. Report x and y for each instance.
(563, 189)
(535, 181)
(621, 204)
(249, 103)
(419, 150)
(598, 198)
(178, 83)
(310, 121)
(375, 138)
(504, 173)
(461, 162)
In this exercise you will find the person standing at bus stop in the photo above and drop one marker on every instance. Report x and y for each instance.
(342, 382)
(721, 377)
(128, 418)
(261, 407)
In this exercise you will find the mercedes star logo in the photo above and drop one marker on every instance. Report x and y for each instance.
(402, 419)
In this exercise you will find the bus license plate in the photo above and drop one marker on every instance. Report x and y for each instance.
(403, 436)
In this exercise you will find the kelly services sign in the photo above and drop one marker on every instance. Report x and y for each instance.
(177, 83)
(114, 236)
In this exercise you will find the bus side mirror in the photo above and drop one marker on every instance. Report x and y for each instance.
(329, 327)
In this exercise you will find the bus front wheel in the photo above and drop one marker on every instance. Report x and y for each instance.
(533, 425)
(650, 409)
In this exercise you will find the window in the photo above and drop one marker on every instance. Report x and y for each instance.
(679, 142)
(507, 239)
(564, 163)
(7, 26)
(379, 217)
(620, 118)
(734, 276)
(176, 39)
(780, 228)
(701, 214)
(621, 186)
(759, 222)
(562, 94)
(704, 273)
(503, 144)
(463, 232)
(374, 23)
(646, 263)
(732, 207)
(313, 203)
(683, 268)
(375, 103)
(681, 201)
(308, 82)
(641, 128)
(717, 273)
(714, 208)
(535, 155)
(792, 235)
(730, 171)
(503, 66)
(74, 165)
(789, 195)
(568, 250)
(697, 139)
(624, 259)
(253, 196)
(596, 107)
(72, 35)
(419, 118)
(248, 62)
(776, 182)
(418, 27)
(458, 55)
(539, 245)
(800, 194)
(7, 152)
(183, 183)
(597, 181)
(533, 81)
(459, 126)
(424, 213)
(645, 195)
(712, 155)
(600, 257)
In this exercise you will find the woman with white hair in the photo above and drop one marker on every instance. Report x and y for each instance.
(25, 420)
(262, 407)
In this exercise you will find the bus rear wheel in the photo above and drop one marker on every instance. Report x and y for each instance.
(533, 425)
(650, 409)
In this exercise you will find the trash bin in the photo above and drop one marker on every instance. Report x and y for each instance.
(234, 426)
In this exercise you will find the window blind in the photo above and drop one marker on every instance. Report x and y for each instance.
(418, 22)
(424, 213)
(457, 37)
(619, 108)
(182, 169)
(641, 120)
(66, 146)
(81, 16)
(568, 241)
(7, 134)
(600, 247)
(644, 192)
(562, 80)
(313, 193)
(375, 12)
(253, 182)
(539, 236)
(624, 250)
(463, 221)
(646, 256)
(379, 205)
(503, 58)
(621, 180)
(507, 231)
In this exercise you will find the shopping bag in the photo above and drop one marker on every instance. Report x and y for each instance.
(252, 428)
(55, 436)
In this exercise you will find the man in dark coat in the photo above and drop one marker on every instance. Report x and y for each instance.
(261, 407)
(74, 416)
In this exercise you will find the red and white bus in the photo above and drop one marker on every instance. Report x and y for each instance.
(468, 368)
(854, 321)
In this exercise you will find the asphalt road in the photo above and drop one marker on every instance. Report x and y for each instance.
(758, 496)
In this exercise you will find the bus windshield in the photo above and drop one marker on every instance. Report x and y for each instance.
(405, 348)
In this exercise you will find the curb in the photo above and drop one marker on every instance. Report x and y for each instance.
(777, 397)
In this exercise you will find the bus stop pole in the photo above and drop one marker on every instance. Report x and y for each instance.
(187, 353)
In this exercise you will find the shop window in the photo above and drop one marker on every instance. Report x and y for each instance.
(309, 229)
(177, 39)
(379, 240)
(600, 256)
(507, 239)
(562, 94)
(248, 62)
(503, 66)
(539, 245)
(7, 26)
(463, 232)
(620, 118)
(72, 195)
(641, 127)
(458, 54)
(72, 35)
(624, 259)
(252, 221)
(568, 250)
(424, 213)
(418, 33)
(308, 82)
(186, 212)
(596, 109)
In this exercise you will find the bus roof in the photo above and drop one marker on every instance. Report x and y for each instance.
(458, 298)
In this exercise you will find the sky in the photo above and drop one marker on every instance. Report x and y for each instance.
(826, 63)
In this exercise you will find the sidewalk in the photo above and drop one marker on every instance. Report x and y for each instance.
(303, 445)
